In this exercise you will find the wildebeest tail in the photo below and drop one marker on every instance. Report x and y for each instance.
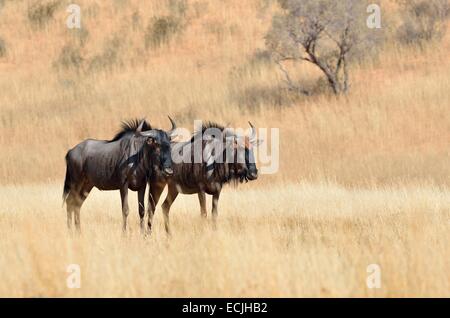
(67, 180)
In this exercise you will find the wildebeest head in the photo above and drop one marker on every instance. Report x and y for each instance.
(243, 162)
(158, 143)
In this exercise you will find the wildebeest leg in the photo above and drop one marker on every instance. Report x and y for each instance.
(125, 210)
(141, 197)
(202, 200)
(70, 204)
(81, 197)
(73, 210)
(77, 218)
(153, 198)
(69, 217)
(215, 212)
(172, 193)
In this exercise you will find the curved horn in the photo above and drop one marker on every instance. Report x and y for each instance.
(253, 132)
(174, 126)
(172, 130)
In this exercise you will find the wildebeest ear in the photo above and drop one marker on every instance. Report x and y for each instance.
(139, 129)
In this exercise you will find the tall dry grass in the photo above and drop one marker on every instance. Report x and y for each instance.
(363, 178)
(290, 240)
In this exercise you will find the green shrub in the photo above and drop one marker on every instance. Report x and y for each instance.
(136, 20)
(108, 57)
(40, 13)
(70, 58)
(423, 21)
(161, 30)
(2, 48)
(80, 35)
(178, 8)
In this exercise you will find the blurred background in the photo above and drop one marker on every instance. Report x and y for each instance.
(212, 60)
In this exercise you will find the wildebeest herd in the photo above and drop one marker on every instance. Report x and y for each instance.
(140, 155)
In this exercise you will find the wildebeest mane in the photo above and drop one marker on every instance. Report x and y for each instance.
(130, 126)
(205, 126)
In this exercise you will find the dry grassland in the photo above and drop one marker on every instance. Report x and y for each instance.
(363, 179)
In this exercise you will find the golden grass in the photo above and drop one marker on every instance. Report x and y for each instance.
(293, 240)
(363, 178)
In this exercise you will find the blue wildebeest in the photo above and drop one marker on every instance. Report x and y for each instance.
(208, 176)
(124, 162)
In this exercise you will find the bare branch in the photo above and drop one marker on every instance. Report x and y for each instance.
(289, 81)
